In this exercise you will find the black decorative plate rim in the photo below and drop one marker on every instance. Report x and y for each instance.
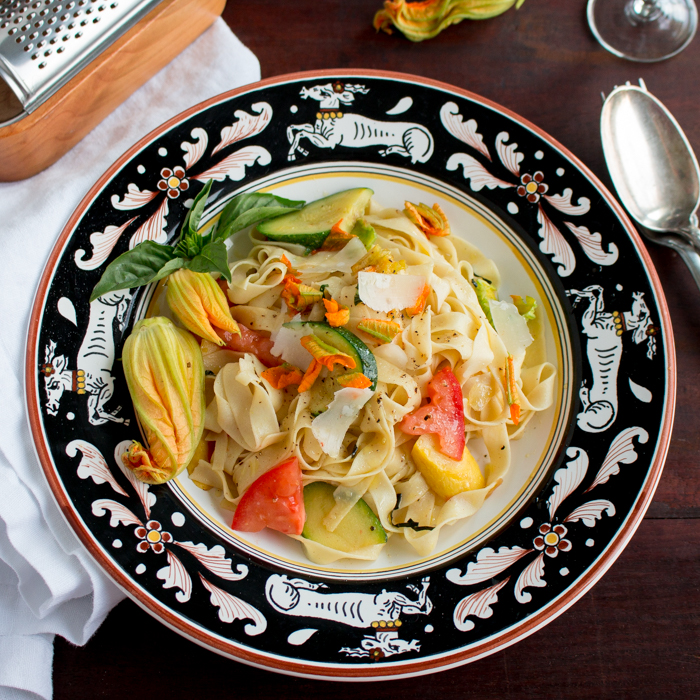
(472, 620)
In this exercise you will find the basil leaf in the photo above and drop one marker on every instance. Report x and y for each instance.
(138, 266)
(189, 246)
(247, 209)
(212, 258)
(191, 223)
(169, 267)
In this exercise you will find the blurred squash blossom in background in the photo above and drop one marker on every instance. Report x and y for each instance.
(425, 20)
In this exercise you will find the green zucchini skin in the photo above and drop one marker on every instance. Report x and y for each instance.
(365, 232)
(310, 225)
(346, 342)
(359, 528)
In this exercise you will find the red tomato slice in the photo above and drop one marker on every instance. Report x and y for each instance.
(255, 342)
(273, 500)
(443, 415)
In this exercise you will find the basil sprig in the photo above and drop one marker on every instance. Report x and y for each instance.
(150, 261)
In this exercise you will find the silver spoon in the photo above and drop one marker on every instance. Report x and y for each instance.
(654, 170)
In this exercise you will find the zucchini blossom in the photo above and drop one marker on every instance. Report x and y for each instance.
(426, 19)
(200, 304)
(165, 374)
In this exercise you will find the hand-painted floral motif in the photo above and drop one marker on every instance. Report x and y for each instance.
(551, 540)
(531, 187)
(173, 181)
(152, 537)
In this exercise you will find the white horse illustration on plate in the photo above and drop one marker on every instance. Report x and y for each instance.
(336, 127)
(93, 373)
(604, 350)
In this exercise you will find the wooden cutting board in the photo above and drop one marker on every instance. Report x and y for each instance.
(37, 140)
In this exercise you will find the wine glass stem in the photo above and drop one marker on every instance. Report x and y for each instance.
(642, 10)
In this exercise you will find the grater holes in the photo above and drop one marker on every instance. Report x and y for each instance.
(32, 28)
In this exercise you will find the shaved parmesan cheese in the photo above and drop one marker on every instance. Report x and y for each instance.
(287, 345)
(383, 292)
(330, 427)
(510, 326)
(325, 261)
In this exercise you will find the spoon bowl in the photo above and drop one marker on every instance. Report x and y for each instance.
(654, 169)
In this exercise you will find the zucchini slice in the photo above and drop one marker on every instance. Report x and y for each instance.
(346, 342)
(359, 528)
(310, 225)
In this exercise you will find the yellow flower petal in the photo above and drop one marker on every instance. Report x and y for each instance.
(165, 374)
(200, 304)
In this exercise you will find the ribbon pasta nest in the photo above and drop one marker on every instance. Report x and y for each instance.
(379, 426)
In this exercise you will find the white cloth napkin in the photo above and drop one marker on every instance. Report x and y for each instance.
(48, 583)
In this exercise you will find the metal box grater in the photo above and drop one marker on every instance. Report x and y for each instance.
(44, 43)
(65, 65)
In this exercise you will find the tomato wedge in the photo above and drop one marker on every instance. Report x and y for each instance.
(255, 342)
(273, 500)
(442, 415)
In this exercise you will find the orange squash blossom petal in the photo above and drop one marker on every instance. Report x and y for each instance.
(310, 376)
(419, 306)
(325, 354)
(283, 376)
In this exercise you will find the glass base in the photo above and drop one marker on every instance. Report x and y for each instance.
(643, 30)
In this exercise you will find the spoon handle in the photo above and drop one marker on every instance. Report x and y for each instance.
(692, 232)
(687, 251)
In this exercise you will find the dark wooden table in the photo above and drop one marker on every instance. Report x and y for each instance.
(636, 634)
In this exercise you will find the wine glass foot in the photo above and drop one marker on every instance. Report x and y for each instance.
(643, 30)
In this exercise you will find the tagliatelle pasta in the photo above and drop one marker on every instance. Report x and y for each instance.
(252, 426)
